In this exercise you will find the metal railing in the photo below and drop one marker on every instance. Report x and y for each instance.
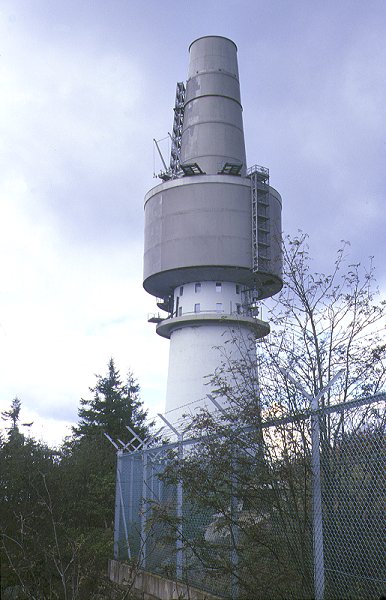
(245, 311)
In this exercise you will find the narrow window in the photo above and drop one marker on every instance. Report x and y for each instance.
(218, 286)
(238, 309)
(181, 290)
(180, 311)
(196, 308)
(219, 307)
(237, 288)
(197, 288)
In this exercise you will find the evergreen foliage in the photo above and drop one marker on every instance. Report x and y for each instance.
(114, 406)
(13, 414)
(57, 506)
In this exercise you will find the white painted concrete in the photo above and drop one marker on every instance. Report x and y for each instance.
(220, 297)
(196, 352)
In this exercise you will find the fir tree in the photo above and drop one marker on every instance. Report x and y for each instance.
(13, 414)
(115, 404)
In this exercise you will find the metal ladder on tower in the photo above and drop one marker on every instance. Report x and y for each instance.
(175, 152)
(259, 177)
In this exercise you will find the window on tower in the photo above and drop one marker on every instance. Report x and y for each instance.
(181, 290)
(219, 308)
(197, 288)
(237, 288)
(197, 308)
(218, 286)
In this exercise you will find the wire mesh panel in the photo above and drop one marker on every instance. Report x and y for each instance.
(160, 508)
(128, 506)
(353, 479)
(205, 525)
(287, 505)
(234, 513)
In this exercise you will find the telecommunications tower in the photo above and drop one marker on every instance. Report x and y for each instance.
(212, 230)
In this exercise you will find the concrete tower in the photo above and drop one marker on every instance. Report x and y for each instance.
(212, 230)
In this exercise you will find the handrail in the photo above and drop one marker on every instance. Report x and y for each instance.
(251, 312)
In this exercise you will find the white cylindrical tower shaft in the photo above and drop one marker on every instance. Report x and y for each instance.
(210, 330)
(198, 354)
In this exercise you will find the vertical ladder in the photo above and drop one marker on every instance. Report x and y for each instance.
(175, 153)
(259, 177)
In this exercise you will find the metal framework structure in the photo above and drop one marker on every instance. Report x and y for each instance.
(259, 177)
(175, 153)
(343, 540)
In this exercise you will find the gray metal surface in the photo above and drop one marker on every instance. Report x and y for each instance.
(199, 227)
(213, 128)
(201, 221)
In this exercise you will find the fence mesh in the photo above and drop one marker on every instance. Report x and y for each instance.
(239, 515)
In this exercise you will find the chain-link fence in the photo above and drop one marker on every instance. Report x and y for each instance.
(292, 509)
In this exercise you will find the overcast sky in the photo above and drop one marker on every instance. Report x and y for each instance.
(85, 86)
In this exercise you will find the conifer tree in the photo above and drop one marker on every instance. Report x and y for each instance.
(115, 404)
(13, 415)
(88, 461)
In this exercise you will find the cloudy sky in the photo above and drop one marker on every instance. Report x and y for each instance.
(85, 87)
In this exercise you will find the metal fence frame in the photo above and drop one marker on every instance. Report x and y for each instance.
(139, 488)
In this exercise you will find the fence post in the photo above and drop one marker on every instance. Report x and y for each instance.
(117, 507)
(317, 514)
(234, 527)
(179, 502)
(131, 490)
(144, 508)
(179, 543)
